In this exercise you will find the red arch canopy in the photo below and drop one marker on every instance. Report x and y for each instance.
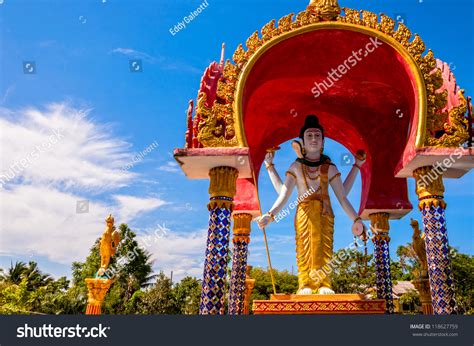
(369, 107)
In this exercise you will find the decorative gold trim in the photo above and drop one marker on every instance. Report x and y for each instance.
(380, 225)
(222, 124)
(456, 130)
(428, 77)
(211, 129)
(97, 289)
(223, 181)
(397, 41)
(429, 187)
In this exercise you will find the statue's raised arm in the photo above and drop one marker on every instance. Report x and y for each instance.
(298, 148)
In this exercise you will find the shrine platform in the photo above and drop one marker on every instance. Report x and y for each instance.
(318, 304)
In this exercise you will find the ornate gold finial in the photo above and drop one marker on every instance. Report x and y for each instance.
(222, 54)
(326, 9)
(108, 244)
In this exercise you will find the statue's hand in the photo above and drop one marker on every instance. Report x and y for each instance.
(269, 158)
(263, 221)
(360, 157)
(359, 229)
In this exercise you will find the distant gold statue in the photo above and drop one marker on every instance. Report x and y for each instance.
(419, 247)
(108, 244)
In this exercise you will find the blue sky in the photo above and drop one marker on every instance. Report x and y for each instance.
(83, 85)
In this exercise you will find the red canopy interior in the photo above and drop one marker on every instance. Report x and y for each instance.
(370, 107)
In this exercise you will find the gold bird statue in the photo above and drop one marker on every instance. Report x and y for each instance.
(108, 244)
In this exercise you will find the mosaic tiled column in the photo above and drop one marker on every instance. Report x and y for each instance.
(241, 240)
(222, 191)
(430, 191)
(380, 227)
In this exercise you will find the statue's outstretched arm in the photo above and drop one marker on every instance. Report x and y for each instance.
(351, 177)
(338, 188)
(285, 193)
(273, 174)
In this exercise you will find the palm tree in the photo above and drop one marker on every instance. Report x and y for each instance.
(15, 273)
(34, 277)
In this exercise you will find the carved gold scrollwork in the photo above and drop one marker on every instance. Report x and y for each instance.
(457, 127)
(284, 24)
(386, 25)
(253, 43)
(240, 56)
(402, 34)
(220, 118)
(269, 30)
(370, 19)
(216, 128)
(351, 16)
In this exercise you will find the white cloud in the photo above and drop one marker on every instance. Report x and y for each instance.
(50, 160)
(170, 167)
(182, 253)
(7, 93)
(129, 207)
(164, 62)
(43, 221)
(59, 146)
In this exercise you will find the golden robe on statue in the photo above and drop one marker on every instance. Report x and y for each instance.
(314, 225)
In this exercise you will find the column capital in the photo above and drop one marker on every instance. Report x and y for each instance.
(242, 227)
(222, 186)
(380, 225)
(97, 289)
(429, 187)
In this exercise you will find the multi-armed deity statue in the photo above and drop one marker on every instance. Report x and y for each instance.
(314, 220)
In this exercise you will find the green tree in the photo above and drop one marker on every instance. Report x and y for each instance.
(285, 282)
(352, 272)
(410, 301)
(187, 294)
(26, 290)
(158, 298)
(463, 273)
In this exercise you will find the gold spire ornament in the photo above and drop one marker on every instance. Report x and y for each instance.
(326, 9)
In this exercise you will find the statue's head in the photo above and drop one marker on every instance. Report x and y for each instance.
(416, 229)
(312, 135)
(109, 220)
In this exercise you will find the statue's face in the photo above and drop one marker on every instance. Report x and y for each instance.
(313, 140)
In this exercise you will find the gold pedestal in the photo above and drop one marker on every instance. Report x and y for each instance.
(97, 289)
(318, 304)
(423, 287)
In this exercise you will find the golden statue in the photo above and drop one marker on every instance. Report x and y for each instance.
(312, 173)
(108, 244)
(419, 247)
